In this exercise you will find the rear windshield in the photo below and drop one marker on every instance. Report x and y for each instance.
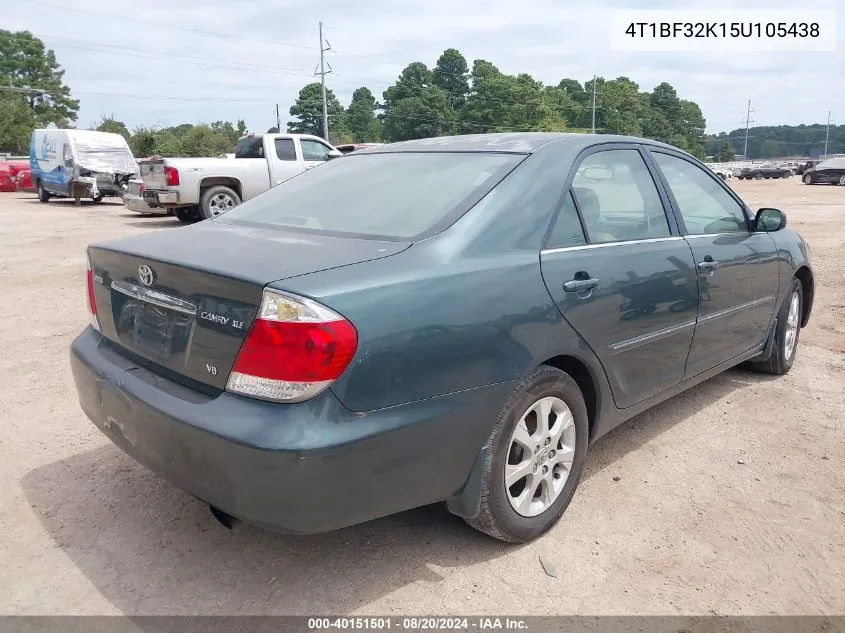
(392, 195)
(250, 147)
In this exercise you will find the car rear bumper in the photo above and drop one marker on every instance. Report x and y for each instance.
(161, 197)
(300, 468)
(138, 205)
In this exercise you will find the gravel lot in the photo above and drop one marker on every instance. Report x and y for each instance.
(728, 499)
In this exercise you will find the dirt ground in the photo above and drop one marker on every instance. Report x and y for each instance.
(728, 499)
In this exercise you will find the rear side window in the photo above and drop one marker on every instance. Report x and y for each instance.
(618, 198)
(396, 195)
(250, 147)
(285, 149)
(567, 230)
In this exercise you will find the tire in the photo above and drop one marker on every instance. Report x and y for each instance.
(97, 199)
(498, 516)
(808, 179)
(217, 200)
(43, 196)
(186, 215)
(842, 180)
(783, 355)
(758, 175)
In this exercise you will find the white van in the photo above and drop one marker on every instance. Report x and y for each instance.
(80, 164)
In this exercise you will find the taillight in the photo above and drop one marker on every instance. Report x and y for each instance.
(92, 304)
(171, 176)
(294, 350)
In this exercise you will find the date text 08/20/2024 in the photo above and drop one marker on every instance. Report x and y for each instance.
(417, 623)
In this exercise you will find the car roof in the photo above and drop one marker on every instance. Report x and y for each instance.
(513, 142)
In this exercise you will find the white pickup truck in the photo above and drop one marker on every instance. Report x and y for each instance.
(200, 188)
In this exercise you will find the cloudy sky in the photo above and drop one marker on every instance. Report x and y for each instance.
(226, 60)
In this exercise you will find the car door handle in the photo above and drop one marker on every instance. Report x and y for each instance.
(707, 266)
(579, 285)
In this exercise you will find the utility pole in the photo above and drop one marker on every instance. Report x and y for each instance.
(594, 104)
(748, 120)
(323, 72)
(827, 133)
(278, 120)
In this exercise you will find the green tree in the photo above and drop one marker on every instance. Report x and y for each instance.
(361, 119)
(420, 117)
(726, 153)
(143, 142)
(451, 74)
(770, 149)
(203, 140)
(111, 124)
(502, 103)
(308, 111)
(15, 123)
(30, 69)
(414, 81)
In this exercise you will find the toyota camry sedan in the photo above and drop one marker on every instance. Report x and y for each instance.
(443, 320)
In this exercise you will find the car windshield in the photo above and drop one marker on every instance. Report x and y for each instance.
(396, 195)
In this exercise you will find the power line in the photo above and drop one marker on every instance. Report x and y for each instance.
(170, 26)
(245, 67)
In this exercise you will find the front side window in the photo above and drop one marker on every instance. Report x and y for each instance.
(618, 198)
(313, 150)
(393, 195)
(704, 205)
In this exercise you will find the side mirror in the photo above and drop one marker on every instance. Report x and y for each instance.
(770, 220)
(334, 153)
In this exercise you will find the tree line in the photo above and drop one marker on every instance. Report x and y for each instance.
(452, 98)
(777, 141)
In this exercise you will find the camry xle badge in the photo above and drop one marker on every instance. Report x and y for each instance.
(146, 275)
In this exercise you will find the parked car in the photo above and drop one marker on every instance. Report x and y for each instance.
(722, 173)
(80, 164)
(201, 188)
(23, 182)
(9, 170)
(447, 319)
(807, 165)
(830, 171)
(765, 170)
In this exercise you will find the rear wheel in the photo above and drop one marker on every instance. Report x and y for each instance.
(842, 180)
(218, 200)
(786, 333)
(98, 198)
(535, 458)
(758, 175)
(43, 196)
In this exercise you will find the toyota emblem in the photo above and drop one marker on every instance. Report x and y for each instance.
(146, 275)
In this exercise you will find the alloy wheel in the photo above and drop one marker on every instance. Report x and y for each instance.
(220, 203)
(540, 455)
(791, 332)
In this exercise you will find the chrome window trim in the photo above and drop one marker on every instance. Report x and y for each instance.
(580, 247)
(154, 297)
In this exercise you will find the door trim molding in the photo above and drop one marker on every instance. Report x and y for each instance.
(734, 309)
(649, 337)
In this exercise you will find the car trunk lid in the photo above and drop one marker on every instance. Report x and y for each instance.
(182, 303)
